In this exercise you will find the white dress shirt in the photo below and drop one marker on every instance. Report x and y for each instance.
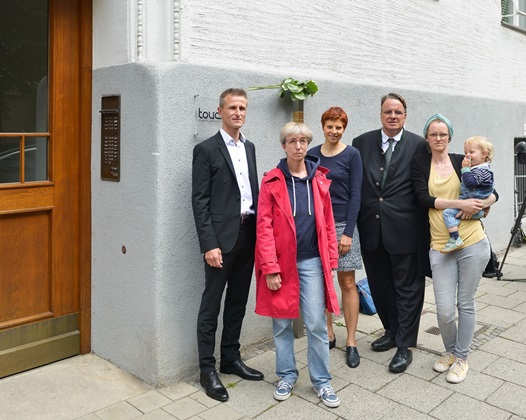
(239, 160)
(385, 140)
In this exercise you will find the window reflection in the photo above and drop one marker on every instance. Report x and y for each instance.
(23, 89)
(9, 159)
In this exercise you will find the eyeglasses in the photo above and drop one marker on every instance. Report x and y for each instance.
(303, 142)
(435, 136)
(397, 113)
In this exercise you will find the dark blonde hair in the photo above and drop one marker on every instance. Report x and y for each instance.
(295, 128)
(233, 92)
(483, 144)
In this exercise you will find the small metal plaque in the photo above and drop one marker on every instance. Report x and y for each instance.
(110, 138)
(207, 118)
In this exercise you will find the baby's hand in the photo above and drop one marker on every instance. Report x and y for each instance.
(466, 162)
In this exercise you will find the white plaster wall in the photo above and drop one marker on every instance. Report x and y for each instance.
(446, 46)
(114, 32)
(126, 31)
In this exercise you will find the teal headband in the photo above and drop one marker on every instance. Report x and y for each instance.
(440, 118)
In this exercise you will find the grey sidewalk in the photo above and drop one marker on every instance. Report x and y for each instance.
(90, 388)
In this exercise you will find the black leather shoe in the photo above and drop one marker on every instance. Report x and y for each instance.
(352, 358)
(240, 369)
(213, 386)
(383, 344)
(489, 274)
(401, 360)
(332, 343)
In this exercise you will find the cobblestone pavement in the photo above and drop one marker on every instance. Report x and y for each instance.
(91, 388)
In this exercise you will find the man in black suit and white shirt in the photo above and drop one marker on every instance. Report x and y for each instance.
(224, 201)
(388, 228)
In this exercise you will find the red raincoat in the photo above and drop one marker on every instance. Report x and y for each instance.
(276, 245)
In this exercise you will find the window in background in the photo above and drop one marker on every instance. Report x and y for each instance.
(514, 13)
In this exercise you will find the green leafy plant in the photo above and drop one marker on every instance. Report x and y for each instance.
(296, 90)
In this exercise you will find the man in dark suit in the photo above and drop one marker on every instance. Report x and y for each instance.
(388, 229)
(224, 201)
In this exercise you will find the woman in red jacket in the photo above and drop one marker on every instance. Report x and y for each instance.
(296, 253)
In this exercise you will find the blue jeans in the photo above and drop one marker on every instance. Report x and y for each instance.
(312, 305)
(465, 193)
(456, 276)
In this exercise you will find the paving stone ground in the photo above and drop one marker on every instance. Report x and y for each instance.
(90, 388)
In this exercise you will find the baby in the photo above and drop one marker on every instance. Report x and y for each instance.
(477, 182)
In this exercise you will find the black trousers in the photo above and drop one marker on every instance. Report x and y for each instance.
(235, 275)
(397, 291)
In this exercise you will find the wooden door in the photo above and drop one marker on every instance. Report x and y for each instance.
(45, 137)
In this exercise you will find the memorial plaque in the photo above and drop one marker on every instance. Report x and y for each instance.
(110, 139)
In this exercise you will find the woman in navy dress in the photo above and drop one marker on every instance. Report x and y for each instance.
(346, 171)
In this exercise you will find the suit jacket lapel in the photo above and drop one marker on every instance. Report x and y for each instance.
(222, 147)
(400, 145)
(252, 172)
(379, 141)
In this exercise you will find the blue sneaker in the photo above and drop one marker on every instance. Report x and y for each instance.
(283, 391)
(329, 397)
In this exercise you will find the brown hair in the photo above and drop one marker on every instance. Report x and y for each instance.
(394, 96)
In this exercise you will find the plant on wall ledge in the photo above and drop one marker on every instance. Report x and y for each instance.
(297, 91)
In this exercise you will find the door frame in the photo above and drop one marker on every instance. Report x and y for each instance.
(86, 58)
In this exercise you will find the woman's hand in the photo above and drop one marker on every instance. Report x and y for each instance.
(273, 281)
(469, 207)
(344, 244)
(463, 215)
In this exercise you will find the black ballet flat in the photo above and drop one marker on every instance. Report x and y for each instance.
(332, 343)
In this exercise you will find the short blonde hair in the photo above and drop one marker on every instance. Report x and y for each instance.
(293, 128)
(483, 144)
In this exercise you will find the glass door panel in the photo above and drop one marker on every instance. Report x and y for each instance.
(23, 158)
(9, 159)
(24, 51)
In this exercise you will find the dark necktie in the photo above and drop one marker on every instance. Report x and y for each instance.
(388, 154)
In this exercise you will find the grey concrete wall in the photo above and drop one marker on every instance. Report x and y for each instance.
(125, 286)
(145, 302)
